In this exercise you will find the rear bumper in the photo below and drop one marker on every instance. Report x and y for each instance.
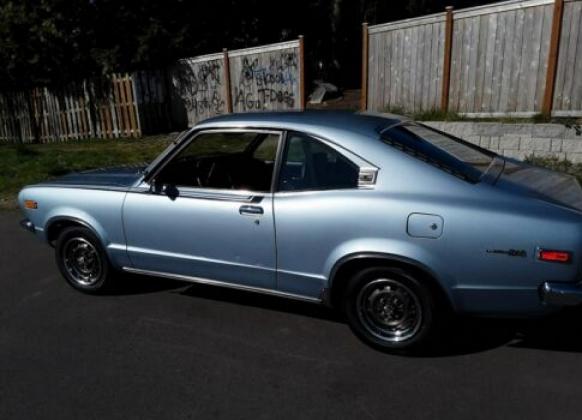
(561, 294)
(27, 225)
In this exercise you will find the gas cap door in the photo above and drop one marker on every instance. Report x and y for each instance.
(422, 225)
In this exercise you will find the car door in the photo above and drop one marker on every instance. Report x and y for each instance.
(208, 212)
(317, 207)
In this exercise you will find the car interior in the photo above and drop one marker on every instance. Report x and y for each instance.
(245, 161)
(218, 167)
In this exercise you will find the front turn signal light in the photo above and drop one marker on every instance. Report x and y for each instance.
(30, 204)
(551, 255)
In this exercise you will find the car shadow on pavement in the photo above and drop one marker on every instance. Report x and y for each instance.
(462, 336)
(466, 335)
(257, 300)
(131, 284)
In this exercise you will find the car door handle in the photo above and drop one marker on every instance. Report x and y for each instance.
(251, 210)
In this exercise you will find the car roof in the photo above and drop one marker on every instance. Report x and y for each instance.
(338, 126)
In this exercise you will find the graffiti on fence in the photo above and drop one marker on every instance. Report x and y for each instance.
(200, 86)
(266, 82)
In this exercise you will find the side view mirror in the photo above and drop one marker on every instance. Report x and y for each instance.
(162, 188)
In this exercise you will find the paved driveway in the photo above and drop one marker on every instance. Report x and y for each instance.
(160, 349)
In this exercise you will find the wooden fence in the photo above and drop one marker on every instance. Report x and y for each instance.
(266, 78)
(105, 108)
(515, 58)
(269, 77)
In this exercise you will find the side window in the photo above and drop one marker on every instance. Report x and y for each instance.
(308, 164)
(224, 160)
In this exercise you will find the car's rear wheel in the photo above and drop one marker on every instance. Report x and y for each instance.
(82, 260)
(390, 309)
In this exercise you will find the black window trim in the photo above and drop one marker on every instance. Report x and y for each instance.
(207, 192)
(364, 165)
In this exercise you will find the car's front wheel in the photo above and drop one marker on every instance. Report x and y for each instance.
(390, 309)
(82, 260)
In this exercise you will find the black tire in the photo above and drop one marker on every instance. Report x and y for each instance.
(83, 261)
(390, 309)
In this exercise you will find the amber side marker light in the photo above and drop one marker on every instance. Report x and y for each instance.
(550, 255)
(30, 204)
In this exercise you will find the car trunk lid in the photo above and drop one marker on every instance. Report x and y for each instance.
(541, 183)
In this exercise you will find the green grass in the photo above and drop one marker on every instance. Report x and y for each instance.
(22, 165)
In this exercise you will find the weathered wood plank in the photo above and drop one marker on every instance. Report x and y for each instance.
(439, 53)
(466, 56)
(395, 67)
(474, 52)
(414, 46)
(508, 60)
(576, 101)
(427, 67)
(373, 57)
(387, 69)
(382, 73)
(501, 7)
(572, 51)
(490, 56)
(517, 53)
(480, 66)
(498, 61)
(534, 60)
(456, 64)
(544, 56)
(406, 23)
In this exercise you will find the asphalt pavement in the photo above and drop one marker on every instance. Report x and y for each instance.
(162, 349)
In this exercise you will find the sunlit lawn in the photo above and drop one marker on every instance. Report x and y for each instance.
(23, 165)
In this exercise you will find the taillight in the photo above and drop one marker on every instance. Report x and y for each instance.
(551, 255)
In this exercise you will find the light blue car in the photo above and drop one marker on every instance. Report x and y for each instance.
(386, 219)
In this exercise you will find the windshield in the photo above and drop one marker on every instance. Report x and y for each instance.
(166, 151)
(439, 149)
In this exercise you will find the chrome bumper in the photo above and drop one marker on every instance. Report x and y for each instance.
(561, 294)
(28, 225)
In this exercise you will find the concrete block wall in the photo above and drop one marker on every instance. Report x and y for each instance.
(518, 140)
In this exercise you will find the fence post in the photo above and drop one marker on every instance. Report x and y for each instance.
(227, 93)
(447, 59)
(364, 93)
(553, 57)
(135, 106)
(302, 72)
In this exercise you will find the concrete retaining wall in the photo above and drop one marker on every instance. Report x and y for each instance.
(518, 140)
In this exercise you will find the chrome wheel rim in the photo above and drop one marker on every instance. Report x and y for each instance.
(82, 261)
(389, 310)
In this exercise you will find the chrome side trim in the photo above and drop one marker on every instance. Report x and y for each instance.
(117, 188)
(219, 283)
(243, 196)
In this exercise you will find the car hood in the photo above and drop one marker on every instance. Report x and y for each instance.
(121, 177)
(541, 183)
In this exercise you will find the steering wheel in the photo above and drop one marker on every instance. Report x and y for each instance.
(211, 173)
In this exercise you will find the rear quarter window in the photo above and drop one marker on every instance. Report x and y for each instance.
(448, 153)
